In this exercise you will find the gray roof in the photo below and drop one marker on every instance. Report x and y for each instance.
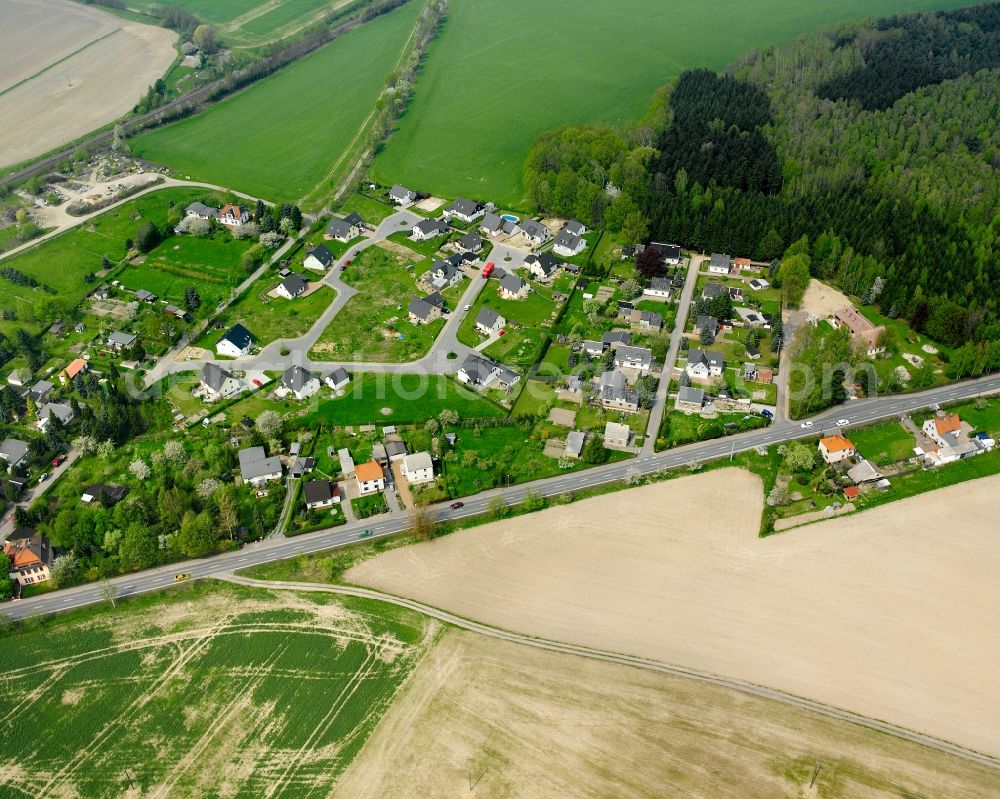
(491, 221)
(295, 378)
(238, 336)
(640, 354)
(420, 308)
(612, 378)
(214, 376)
(463, 206)
(470, 241)
(487, 317)
(429, 226)
(617, 337)
(41, 388)
(692, 395)
(712, 290)
(398, 192)
(720, 260)
(705, 320)
(418, 460)
(574, 227)
(322, 254)
(318, 491)
(660, 284)
(512, 283)
(707, 357)
(255, 463)
(295, 284)
(621, 395)
(202, 210)
(566, 239)
(478, 369)
(60, 410)
(574, 441)
(338, 375)
(12, 450)
(445, 269)
(534, 229)
(864, 472)
(338, 228)
(119, 339)
(547, 261)
(652, 318)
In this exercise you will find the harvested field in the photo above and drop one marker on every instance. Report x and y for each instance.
(67, 69)
(888, 613)
(539, 725)
(823, 300)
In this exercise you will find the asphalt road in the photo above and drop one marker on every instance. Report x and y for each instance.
(859, 412)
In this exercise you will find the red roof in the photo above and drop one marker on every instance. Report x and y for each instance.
(369, 471)
(852, 492)
(949, 423)
(836, 444)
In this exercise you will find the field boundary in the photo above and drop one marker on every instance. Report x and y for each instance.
(629, 660)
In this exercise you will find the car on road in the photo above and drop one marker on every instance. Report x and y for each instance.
(178, 578)
(365, 534)
(468, 308)
(44, 477)
(457, 505)
(806, 425)
(843, 422)
(59, 460)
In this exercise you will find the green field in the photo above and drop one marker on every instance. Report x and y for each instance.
(204, 690)
(59, 264)
(501, 73)
(284, 135)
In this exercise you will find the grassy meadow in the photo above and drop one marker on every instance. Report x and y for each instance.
(500, 73)
(204, 690)
(282, 137)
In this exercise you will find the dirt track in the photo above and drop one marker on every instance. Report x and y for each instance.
(80, 68)
(887, 613)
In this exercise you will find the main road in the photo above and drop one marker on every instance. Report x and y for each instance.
(859, 412)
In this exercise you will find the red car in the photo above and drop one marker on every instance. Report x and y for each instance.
(502, 332)
(457, 505)
(58, 460)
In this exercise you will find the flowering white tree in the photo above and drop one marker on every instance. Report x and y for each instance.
(140, 469)
(269, 424)
(174, 452)
(208, 487)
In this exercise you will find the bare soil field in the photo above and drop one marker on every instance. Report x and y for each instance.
(67, 69)
(512, 721)
(822, 300)
(889, 613)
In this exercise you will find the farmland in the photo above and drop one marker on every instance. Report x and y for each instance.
(840, 613)
(286, 133)
(507, 714)
(60, 264)
(237, 691)
(67, 68)
(528, 79)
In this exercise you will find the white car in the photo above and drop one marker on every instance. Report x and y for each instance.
(468, 307)
(843, 422)
(806, 425)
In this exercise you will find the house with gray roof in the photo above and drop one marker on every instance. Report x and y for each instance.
(299, 382)
(620, 399)
(615, 338)
(292, 286)
(341, 230)
(466, 210)
(611, 379)
(690, 399)
(513, 288)
(235, 343)
(218, 383)
(720, 264)
(481, 373)
(489, 322)
(575, 440)
(13, 451)
(401, 195)
(628, 357)
(427, 229)
(704, 364)
(445, 274)
(535, 232)
(491, 224)
(319, 259)
(575, 228)
(201, 211)
(568, 244)
(39, 392)
(470, 242)
(713, 290)
(119, 341)
(256, 468)
(543, 267)
(593, 348)
(658, 288)
(708, 323)
(422, 312)
(54, 410)
(417, 468)
(337, 379)
(617, 434)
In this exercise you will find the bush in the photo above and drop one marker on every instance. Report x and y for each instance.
(147, 237)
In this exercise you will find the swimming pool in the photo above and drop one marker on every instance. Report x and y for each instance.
(510, 218)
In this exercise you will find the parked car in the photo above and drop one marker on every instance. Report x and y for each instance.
(44, 477)
(59, 460)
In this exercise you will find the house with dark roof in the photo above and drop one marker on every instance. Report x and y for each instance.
(543, 267)
(299, 382)
(292, 286)
(13, 451)
(535, 233)
(401, 195)
(145, 296)
(466, 210)
(39, 392)
(620, 399)
(615, 338)
(427, 229)
(256, 468)
(481, 373)
(568, 245)
(670, 254)
(575, 228)
(422, 312)
(235, 343)
(119, 341)
(720, 264)
(690, 399)
(491, 224)
(201, 211)
(218, 383)
(470, 242)
(713, 290)
(704, 364)
(489, 322)
(705, 322)
(627, 357)
(320, 494)
(658, 288)
(341, 230)
(54, 410)
(513, 288)
(337, 379)
(319, 259)
(104, 493)
(445, 274)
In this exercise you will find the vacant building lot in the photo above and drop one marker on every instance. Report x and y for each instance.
(67, 68)
(889, 613)
(515, 721)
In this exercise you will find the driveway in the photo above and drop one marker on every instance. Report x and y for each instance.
(7, 526)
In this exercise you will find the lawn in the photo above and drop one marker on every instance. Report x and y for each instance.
(286, 134)
(680, 428)
(531, 312)
(270, 318)
(372, 211)
(204, 671)
(528, 79)
(374, 325)
(883, 444)
(60, 264)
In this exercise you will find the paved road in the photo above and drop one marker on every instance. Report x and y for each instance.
(630, 660)
(662, 391)
(859, 412)
(7, 526)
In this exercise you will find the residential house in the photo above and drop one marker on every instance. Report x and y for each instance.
(648, 320)
(201, 211)
(690, 399)
(864, 472)
(575, 228)
(235, 343)
(742, 263)
(543, 267)
(389, 451)
(292, 286)
(658, 289)
(706, 323)
(13, 451)
(670, 254)
(593, 348)
(39, 392)
(948, 440)
(735, 293)
(422, 312)
(401, 195)
(704, 364)
(445, 274)
(617, 434)
(575, 440)
(720, 264)
(611, 379)
(19, 377)
(145, 296)
(218, 383)
(29, 558)
(234, 215)
(119, 341)
(370, 477)
(489, 322)
(753, 352)
(943, 430)
(102, 292)
(616, 338)
(836, 448)
(466, 210)
(427, 229)
(319, 259)
(535, 233)
(256, 468)
(513, 288)
(337, 379)
(176, 313)
(342, 230)
(568, 245)
(491, 224)
(418, 468)
(620, 399)
(749, 317)
(299, 382)
(103, 493)
(713, 290)
(470, 242)
(57, 410)
(481, 373)
(72, 369)
(629, 357)
(302, 466)
(758, 284)
(346, 462)
(320, 494)
(625, 309)
(861, 329)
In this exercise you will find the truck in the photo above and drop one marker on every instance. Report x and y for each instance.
(488, 270)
